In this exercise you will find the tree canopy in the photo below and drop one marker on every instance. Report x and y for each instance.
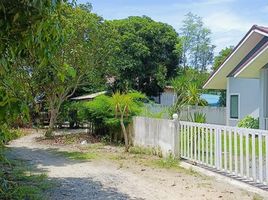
(197, 46)
(149, 54)
(219, 59)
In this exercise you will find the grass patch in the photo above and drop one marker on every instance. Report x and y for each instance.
(146, 151)
(79, 155)
(167, 163)
(257, 197)
(16, 182)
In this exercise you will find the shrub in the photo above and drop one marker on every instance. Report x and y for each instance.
(17, 183)
(103, 113)
(7, 134)
(249, 122)
(197, 117)
(69, 113)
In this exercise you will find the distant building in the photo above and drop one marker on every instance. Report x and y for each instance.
(168, 97)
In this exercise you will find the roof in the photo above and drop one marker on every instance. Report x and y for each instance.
(249, 47)
(88, 96)
(259, 46)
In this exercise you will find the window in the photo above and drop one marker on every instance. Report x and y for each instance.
(234, 106)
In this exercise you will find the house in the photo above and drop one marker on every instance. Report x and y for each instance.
(168, 97)
(165, 98)
(244, 76)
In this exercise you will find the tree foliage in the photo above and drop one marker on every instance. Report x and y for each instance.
(30, 33)
(112, 113)
(149, 53)
(219, 59)
(187, 87)
(197, 47)
(249, 122)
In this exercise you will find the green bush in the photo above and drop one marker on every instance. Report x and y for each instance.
(197, 117)
(16, 182)
(7, 134)
(101, 112)
(249, 122)
(69, 113)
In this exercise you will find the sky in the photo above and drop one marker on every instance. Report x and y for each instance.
(229, 20)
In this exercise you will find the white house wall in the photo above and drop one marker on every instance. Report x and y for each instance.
(263, 97)
(249, 98)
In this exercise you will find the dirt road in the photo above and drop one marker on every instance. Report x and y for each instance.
(103, 179)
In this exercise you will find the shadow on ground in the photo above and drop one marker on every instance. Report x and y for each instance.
(86, 188)
(40, 160)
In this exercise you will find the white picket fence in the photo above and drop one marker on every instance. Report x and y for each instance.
(239, 152)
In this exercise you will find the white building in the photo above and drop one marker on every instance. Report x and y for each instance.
(244, 75)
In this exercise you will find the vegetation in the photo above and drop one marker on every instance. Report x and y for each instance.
(197, 117)
(110, 114)
(16, 182)
(149, 54)
(197, 47)
(187, 89)
(249, 122)
(219, 59)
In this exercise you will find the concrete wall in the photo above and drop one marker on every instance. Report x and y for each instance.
(249, 98)
(156, 133)
(214, 115)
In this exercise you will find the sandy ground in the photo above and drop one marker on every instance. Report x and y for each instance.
(103, 179)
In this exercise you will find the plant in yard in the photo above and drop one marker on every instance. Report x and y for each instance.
(198, 117)
(193, 96)
(249, 122)
(124, 105)
(187, 91)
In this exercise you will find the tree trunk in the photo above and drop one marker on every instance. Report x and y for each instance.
(124, 133)
(52, 121)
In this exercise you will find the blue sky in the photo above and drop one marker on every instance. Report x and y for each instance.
(228, 20)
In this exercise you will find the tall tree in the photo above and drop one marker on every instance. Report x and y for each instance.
(29, 33)
(219, 59)
(149, 53)
(197, 47)
(80, 60)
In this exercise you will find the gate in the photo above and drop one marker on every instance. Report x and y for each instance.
(238, 152)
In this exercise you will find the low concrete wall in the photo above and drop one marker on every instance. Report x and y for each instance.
(161, 133)
(214, 115)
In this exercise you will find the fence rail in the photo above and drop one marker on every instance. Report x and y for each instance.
(239, 152)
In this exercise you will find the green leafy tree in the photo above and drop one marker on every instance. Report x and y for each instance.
(219, 59)
(80, 60)
(197, 47)
(149, 53)
(29, 33)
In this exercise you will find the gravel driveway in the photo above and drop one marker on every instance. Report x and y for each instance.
(102, 179)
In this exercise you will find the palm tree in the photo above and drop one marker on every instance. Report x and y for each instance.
(193, 96)
(124, 105)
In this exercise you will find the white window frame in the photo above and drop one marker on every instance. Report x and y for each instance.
(232, 94)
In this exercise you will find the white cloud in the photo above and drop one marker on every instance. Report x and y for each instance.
(227, 21)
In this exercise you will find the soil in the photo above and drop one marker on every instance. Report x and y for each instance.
(104, 179)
